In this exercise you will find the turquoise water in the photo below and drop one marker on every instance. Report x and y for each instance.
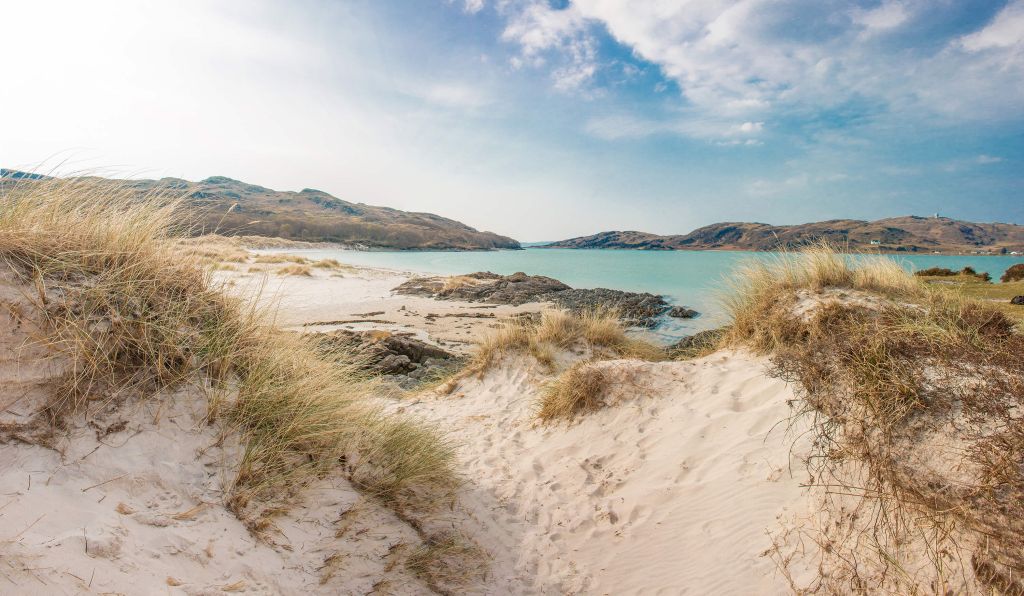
(683, 277)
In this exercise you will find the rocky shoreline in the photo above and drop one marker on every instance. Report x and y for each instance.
(636, 309)
(397, 357)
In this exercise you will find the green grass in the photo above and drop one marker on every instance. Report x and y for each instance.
(998, 294)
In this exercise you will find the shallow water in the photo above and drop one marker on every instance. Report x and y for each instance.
(691, 278)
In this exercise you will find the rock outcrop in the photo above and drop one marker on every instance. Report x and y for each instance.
(401, 358)
(639, 309)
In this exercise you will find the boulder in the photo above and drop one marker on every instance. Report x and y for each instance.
(395, 364)
(681, 312)
(1018, 300)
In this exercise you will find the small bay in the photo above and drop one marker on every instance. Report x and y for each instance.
(691, 278)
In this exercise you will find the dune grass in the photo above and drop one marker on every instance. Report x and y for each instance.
(273, 259)
(557, 330)
(296, 270)
(576, 391)
(916, 393)
(762, 289)
(447, 562)
(137, 317)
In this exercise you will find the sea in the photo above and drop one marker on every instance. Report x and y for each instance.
(691, 278)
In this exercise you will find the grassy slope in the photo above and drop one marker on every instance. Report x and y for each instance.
(915, 392)
(971, 287)
(138, 314)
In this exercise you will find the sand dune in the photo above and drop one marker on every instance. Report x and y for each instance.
(669, 489)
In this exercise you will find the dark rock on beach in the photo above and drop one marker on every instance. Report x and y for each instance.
(401, 358)
(1018, 300)
(681, 312)
(638, 309)
(634, 309)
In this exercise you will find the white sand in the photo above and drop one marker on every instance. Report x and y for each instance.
(670, 489)
(326, 300)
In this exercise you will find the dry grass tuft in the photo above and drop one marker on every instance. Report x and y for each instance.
(763, 288)
(332, 264)
(917, 395)
(557, 330)
(275, 258)
(296, 270)
(447, 562)
(576, 391)
(136, 317)
(457, 281)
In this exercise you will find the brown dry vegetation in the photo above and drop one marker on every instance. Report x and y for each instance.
(1014, 273)
(576, 391)
(561, 338)
(136, 318)
(296, 270)
(918, 397)
(600, 332)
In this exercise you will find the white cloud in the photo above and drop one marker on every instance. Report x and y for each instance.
(474, 6)
(717, 130)
(752, 57)
(987, 159)
(883, 17)
(1005, 31)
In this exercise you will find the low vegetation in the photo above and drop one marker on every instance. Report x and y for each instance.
(296, 270)
(944, 272)
(138, 319)
(576, 391)
(1014, 273)
(599, 332)
(916, 393)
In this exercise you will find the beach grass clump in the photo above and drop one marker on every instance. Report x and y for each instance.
(916, 393)
(455, 282)
(761, 292)
(136, 316)
(576, 391)
(296, 270)
(600, 331)
(447, 562)
(330, 264)
(277, 258)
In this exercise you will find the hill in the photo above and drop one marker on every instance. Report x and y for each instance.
(232, 207)
(896, 234)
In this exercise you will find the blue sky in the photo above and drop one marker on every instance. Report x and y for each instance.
(539, 119)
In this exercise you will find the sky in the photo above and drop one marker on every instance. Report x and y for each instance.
(538, 119)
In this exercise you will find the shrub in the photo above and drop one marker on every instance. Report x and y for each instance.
(1014, 273)
(944, 272)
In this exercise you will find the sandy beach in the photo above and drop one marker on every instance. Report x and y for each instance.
(685, 470)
